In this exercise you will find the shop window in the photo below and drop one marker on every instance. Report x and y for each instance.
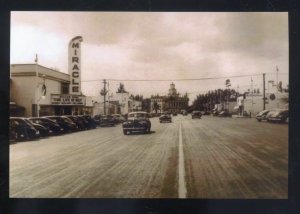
(65, 88)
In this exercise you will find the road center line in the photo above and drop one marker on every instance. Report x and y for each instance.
(181, 171)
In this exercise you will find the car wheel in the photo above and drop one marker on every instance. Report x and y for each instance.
(125, 132)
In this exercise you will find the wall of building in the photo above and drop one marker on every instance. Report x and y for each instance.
(270, 104)
(23, 93)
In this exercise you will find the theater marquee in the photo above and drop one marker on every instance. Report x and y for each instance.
(59, 99)
(75, 65)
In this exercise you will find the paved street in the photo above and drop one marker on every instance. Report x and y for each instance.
(202, 158)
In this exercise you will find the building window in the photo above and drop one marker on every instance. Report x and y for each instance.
(65, 88)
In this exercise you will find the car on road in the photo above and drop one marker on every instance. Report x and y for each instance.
(262, 115)
(196, 114)
(279, 116)
(20, 129)
(53, 126)
(137, 122)
(106, 120)
(165, 118)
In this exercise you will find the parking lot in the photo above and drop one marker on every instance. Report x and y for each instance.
(210, 157)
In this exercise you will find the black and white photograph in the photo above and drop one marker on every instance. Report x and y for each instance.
(151, 105)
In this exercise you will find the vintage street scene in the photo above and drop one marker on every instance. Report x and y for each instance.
(149, 105)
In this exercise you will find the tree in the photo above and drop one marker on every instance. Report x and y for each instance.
(121, 89)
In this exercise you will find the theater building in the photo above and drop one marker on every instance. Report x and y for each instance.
(42, 91)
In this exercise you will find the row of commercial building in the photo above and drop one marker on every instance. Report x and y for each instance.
(36, 90)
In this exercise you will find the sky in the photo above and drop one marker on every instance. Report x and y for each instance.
(170, 46)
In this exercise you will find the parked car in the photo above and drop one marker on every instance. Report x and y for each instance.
(53, 126)
(280, 116)
(67, 124)
(165, 118)
(22, 130)
(78, 122)
(97, 118)
(92, 124)
(44, 131)
(262, 115)
(137, 122)
(119, 118)
(106, 120)
(196, 114)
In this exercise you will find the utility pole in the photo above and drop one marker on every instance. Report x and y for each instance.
(103, 93)
(252, 96)
(264, 92)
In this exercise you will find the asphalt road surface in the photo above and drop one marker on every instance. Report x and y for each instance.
(188, 158)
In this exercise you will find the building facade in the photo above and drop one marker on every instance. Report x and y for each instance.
(172, 103)
(44, 91)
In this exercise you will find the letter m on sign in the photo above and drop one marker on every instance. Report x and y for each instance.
(75, 45)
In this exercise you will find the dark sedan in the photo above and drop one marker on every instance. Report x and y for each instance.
(44, 131)
(165, 118)
(92, 124)
(67, 124)
(53, 126)
(137, 122)
(196, 114)
(106, 120)
(22, 130)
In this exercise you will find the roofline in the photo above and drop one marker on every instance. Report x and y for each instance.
(40, 66)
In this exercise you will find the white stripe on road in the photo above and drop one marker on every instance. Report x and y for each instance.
(181, 170)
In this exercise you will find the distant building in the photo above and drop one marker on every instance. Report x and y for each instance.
(172, 103)
(42, 91)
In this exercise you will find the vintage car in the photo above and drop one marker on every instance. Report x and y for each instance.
(106, 120)
(279, 116)
(20, 129)
(196, 114)
(262, 115)
(53, 126)
(137, 122)
(165, 118)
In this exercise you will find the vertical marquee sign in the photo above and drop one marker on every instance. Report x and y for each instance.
(75, 65)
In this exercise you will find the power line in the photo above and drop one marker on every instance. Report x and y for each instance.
(169, 80)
